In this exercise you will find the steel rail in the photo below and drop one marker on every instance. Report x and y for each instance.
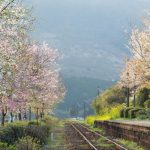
(118, 145)
(84, 137)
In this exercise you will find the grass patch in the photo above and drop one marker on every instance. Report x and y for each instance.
(103, 143)
(129, 144)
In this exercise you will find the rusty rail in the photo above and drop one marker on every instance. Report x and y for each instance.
(109, 140)
(134, 131)
(84, 138)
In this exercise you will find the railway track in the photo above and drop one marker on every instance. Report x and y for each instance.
(137, 131)
(83, 138)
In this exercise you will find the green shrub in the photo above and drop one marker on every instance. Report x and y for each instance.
(142, 96)
(142, 117)
(40, 133)
(11, 133)
(6, 135)
(17, 131)
(147, 104)
(27, 143)
(33, 123)
(148, 113)
(122, 113)
(142, 114)
(126, 112)
(133, 112)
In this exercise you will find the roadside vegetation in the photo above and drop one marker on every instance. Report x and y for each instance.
(30, 84)
(129, 144)
(25, 135)
(130, 97)
(29, 78)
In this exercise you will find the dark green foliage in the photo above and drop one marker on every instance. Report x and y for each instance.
(133, 112)
(40, 133)
(17, 132)
(10, 134)
(33, 123)
(122, 113)
(126, 112)
(143, 114)
(142, 96)
(148, 113)
(139, 113)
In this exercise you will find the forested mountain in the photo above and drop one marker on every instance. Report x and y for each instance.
(80, 90)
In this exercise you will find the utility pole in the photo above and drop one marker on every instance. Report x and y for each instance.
(98, 91)
(84, 115)
(134, 100)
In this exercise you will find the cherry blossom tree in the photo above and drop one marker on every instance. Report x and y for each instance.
(136, 73)
(45, 84)
(14, 25)
(29, 76)
(140, 47)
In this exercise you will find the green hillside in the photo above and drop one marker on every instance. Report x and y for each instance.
(80, 89)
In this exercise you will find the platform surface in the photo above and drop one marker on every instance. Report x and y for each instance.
(133, 122)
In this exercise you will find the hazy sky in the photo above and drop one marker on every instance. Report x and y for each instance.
(89, 33)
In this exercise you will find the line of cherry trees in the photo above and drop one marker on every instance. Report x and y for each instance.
(136, 74)
(29, 76)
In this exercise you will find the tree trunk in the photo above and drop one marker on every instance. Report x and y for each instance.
(25, 115)
(29, 113)
(4, 112)
(19, 115)
(134, 100)
(37, 114)
(42, 112)
(3, 118)
(128, 96)
(41, 115)
(11, 117)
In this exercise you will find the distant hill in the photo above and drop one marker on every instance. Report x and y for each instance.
(80, 89)
(91, 36)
